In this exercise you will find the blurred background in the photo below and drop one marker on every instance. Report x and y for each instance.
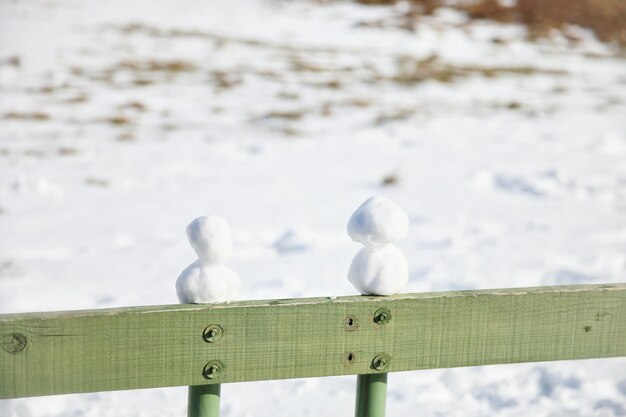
(499, 126)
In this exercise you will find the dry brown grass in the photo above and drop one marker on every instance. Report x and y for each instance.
(142, 82)
(133, 105)
(607, 18)
(389, 180)
(77, 99)
(31, 116)
(412, 71)
(118, 120)
(144, 72)
(224, 80)
(160, 66)
(285, 115)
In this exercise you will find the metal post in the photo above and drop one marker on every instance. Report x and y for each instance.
(371, 395)
(204, 401)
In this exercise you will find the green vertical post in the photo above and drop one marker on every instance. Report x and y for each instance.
(204, 401)
(371, 395)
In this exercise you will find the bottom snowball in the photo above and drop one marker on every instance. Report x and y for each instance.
(200, 283)
(382, 271)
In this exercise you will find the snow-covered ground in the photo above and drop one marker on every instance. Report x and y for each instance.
(121, 121)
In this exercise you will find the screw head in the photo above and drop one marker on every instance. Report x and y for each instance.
(212, 369)
(212, 333)
(381, 362)
(382, 316)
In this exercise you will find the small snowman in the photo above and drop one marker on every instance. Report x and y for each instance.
(208, 280)
(380, 268)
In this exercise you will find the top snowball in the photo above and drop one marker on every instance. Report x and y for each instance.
(378, 222)
(210, 237)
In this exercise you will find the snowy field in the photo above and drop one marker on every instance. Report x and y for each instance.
(121, 121)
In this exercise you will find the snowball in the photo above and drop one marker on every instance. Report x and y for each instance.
(378, 222)
(207, 280)
(205, 283)
(210, 237)
(379, 271)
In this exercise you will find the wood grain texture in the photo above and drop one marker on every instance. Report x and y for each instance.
(143, 347)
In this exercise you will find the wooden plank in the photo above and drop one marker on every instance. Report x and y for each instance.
(142, 347)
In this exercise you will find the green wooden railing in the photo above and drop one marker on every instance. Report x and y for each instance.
(203, 346)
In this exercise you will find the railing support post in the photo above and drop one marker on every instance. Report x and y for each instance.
(204, 401)
(371, 395)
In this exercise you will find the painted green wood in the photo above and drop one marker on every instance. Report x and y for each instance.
(204, 401)
(371, 395)
(143, 347)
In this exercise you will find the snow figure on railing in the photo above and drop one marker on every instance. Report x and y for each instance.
(380, 268)
(207, 280)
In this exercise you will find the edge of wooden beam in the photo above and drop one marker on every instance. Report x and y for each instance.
(154, 346)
